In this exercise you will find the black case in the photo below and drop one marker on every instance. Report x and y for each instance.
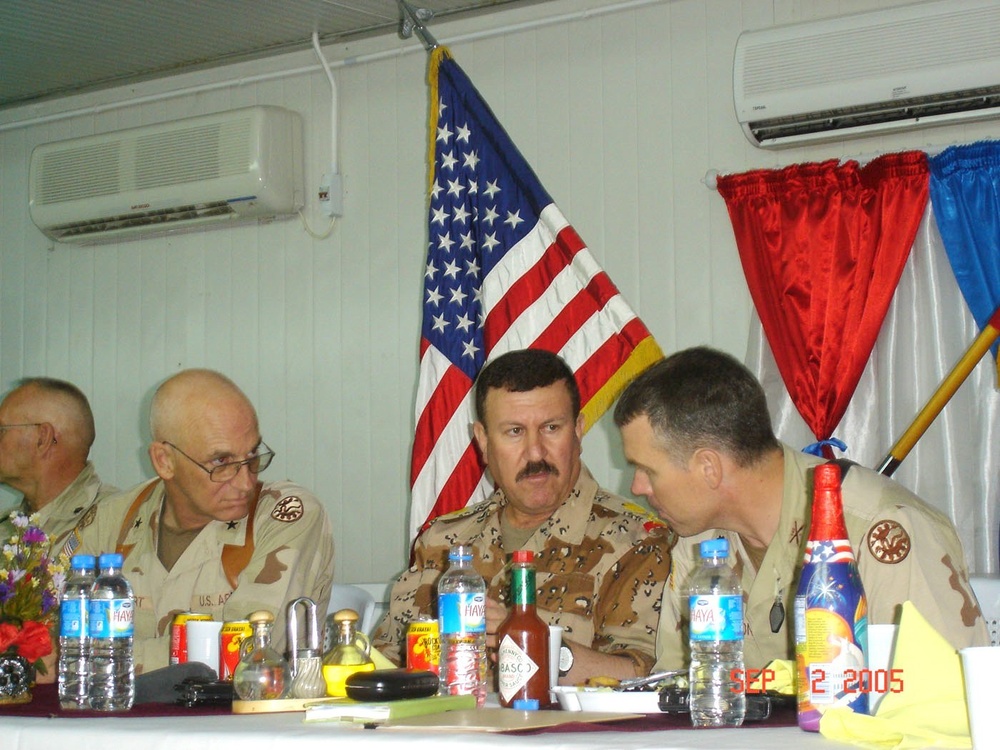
(674, 700)
(391, 685)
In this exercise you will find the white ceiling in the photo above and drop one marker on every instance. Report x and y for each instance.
(51, 48)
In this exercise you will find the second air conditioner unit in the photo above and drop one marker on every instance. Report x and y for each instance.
(218, 169)
(911, 66)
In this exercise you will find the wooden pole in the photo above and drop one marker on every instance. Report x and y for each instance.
(945, 391)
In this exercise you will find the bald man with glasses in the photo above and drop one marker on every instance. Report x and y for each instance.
(46, 432)
(206, 535)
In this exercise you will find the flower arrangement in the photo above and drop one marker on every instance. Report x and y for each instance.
(30, 583)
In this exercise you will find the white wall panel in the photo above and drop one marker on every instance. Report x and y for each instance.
(621, 114)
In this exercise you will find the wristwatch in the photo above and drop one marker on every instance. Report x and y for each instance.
(565, 660)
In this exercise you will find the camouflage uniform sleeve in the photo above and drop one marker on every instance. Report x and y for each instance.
(911, 555)
(412, 596)
(671, 649)
(628, 603)
(292, 557)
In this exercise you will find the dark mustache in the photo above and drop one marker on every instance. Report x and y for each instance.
(537, 467)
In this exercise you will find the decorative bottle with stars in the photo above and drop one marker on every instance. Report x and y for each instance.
(831, 611)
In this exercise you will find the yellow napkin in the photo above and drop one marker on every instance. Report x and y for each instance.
(777, 677)
(380, 661)
(929, 710)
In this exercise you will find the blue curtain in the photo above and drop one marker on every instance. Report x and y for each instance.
(965, 195)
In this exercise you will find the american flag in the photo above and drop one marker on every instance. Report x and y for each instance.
(829, 551)
(505, 270)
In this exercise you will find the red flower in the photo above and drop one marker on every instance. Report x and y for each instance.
(32, 640)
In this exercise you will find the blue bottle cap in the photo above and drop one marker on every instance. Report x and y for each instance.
(525, 704)
(714, 547)
(460, 552)
(110, 560)
(83, 561)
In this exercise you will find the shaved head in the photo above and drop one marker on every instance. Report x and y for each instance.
(186, 397)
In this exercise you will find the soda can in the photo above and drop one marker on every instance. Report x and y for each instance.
(230, 637)
(178, 634)
(423, 645)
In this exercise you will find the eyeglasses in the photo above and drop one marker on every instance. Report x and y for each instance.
(225, 472)
(5, 427)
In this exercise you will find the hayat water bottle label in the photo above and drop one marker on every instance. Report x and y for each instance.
(463, 613)
(72, 619)
(514, 668)
(112, 618)
(716, 617)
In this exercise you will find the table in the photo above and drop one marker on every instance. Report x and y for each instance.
(268, 731)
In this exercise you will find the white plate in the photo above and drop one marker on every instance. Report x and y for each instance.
(606, 699)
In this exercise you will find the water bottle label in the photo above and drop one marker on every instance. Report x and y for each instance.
(716, 617)
(462, 613)
(72, 619)
(111, 618)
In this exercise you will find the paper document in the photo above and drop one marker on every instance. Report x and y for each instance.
(375, 712)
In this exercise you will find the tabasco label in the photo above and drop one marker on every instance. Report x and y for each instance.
(514, 668)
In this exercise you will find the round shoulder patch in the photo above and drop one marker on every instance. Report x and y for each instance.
(888, 541)
(288, 509)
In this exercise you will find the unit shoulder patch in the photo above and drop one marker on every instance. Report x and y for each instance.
(888, 541)
(88, 517)
(288, 509)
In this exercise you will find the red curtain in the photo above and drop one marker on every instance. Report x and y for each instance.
(823, 247)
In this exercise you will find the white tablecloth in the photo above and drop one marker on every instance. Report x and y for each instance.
(287, 731)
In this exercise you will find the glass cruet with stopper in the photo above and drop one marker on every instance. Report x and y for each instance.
(262, 673)
(349, 653)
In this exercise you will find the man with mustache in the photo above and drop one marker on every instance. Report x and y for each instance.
(601, 561)
(206, 535)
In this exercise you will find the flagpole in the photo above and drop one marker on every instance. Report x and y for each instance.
(412, 21)
(945, 391)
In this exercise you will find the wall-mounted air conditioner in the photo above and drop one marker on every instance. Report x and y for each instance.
(210, 170)
(906, 67)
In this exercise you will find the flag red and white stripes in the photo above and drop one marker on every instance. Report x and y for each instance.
(505, 270)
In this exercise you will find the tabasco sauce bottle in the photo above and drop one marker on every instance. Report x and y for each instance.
(831, 611)
(523, 654)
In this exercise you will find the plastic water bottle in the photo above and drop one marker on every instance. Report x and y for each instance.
(716, 607)
(74, 640)
(462, 618)
(112, 613)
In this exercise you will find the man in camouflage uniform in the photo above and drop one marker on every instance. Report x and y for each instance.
(601, 562)
(206, 536)
(46, 432)
(697, 430)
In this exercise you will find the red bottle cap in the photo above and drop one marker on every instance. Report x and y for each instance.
(523, 556)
